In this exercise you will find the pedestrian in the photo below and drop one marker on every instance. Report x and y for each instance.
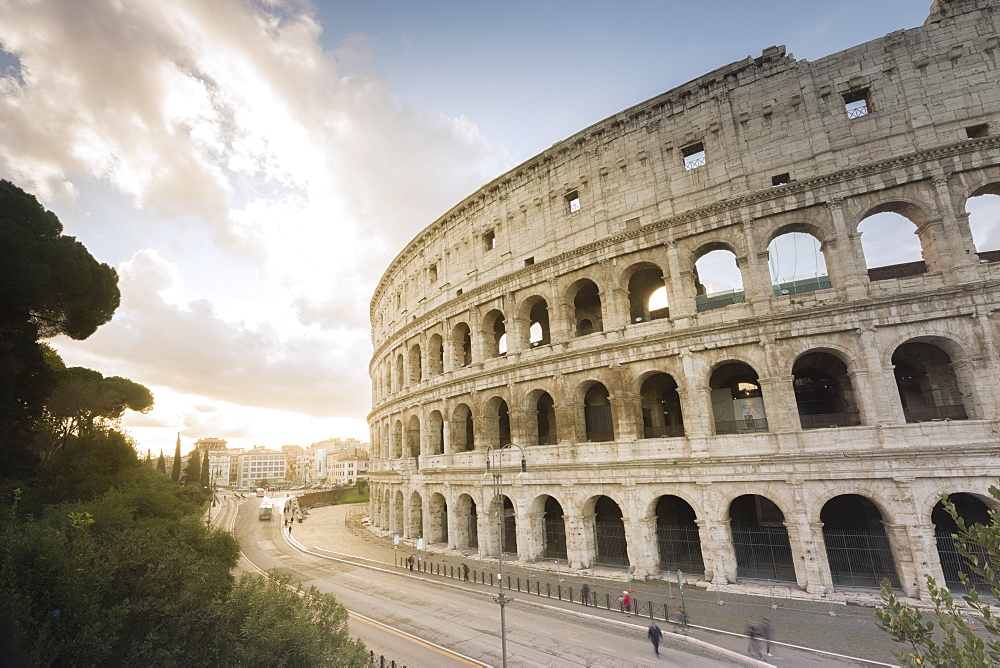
(682, 621)
(627, 603)
(585, 594)
(753, 634)
(409, 562)
(655, 634)
(465, 572)
(289, 529)
(766, 630)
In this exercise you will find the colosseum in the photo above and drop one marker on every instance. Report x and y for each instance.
(679, 321)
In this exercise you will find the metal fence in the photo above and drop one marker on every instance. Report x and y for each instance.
(680, 548)
(953, 562)
(859, 557)
(763, 553)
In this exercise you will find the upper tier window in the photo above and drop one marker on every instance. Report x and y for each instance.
(694, 156)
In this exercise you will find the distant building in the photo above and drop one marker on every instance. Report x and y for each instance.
(261, 465)
(347, 466)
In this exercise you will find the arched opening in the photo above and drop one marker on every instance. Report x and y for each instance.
(461, 341)
(890, 243)
(641, 288)
(461, 429)
(546, 419)
(387, 376)
(925, 379)
(495, 327)
(554, 539)
(437, 527)
(415, 521)
(661, 407)
(413, 437)
(495, 428)
(717, 280)
(677, 536)
(760, 539)
(399, 372)
(609, 533)
(823, 392)
(587, 309)
(435, 355)
(797, 264)
(435, 434)
(737, 400)
(538, 324)
(508, 533)
(397, 439)
(984, 222)
(416, 372)
(597, 417)
(467, 523)
(972, 511)
(398, 525)
(856, 545)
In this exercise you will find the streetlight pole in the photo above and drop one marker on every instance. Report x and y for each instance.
(494, 467)
(211, 501)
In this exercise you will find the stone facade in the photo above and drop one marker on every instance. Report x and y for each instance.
(767, 432)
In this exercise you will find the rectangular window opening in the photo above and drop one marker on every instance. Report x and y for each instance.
(529, 261)
(433, 273)
(694, 156)
(573, 201)
(857, 103)
(458, 293)
(978, 131)
(780, 180)
(490, 240)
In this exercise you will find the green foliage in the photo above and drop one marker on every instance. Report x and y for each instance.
(161, 465)
(51, 285)
(271, 624)
(192, 472)
(942, 636)
(175, 470)
(205, 477)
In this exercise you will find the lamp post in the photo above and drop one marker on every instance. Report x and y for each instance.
(212, 484)
(494, 468)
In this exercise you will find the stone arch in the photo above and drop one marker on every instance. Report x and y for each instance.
(466, 523)
(678, 540)
(506, 540)
(584, 298)
(824, 393)
(540, 418)
(928, 386)
(641, 281)
(415, 516)
(413, 437)
(398, 514)
(785, 247)
(495, 332)
(397, 439)
(435, 355)
(710, 290)
(916, 213)
(551, 529)
(598, 416)
(760, 539)
(983, 208)
(660, 405)
(461, 429)
(737, 399)
(437, 519)
(435, 433)
(461, 345)
(400, 378)
(610, 543)
(857, 548)
(416, 365)
(971, 509)
(534, 314)
(495, 422)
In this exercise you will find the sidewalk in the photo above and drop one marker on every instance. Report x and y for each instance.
(797, 618)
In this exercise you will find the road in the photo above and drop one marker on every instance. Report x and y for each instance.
(419, 620)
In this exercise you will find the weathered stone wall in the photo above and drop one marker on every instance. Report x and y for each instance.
(490, 263)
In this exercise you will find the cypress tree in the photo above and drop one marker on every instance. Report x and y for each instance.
(161, 464)
(192, 472)
(175, 472)
(205, 477)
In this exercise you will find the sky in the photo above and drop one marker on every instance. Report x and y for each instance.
(251, 168)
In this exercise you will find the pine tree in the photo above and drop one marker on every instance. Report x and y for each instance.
(175, 472)
(205, 478)
(161, 464)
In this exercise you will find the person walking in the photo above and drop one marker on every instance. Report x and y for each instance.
(655, 635)
(753, 635)
(465, 571)
(627, 603)
(682, 621)
(585, 594)
(766, 630)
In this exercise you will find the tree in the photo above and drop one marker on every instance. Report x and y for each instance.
(51, 285)
(205, 474)
(175, 470)
(161, 464)
(192, 472)
(954, 643)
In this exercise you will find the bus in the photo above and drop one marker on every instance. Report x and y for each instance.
(264, 513)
